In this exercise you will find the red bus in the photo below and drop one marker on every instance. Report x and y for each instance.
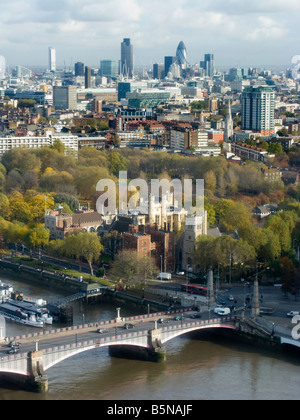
(194, 289)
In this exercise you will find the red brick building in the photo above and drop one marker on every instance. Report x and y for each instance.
(154, 243)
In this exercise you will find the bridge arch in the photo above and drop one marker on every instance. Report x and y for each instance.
(178, 333)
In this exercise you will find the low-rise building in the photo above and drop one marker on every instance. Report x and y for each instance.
(247, 152)
(61, 225)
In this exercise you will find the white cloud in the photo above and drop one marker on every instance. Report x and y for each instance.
(267, 29)
(77, 28)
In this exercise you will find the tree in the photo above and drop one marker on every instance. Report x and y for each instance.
(289, 276)
(253, 235)
(86, 180)
(125, 266)
(270, 247)
(70, 200)
(146, 267)
(205, 256)
(4, 205)
(236, 216)
(117, 163)
(19, 209)
(59, 146)
(91, 248)
(84, 245)
(38, 203)
(37, 237)
(26, 103)
(210, 181)
(281, 229)
(275, 148)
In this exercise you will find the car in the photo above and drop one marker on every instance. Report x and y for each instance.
(292, 313)
(14, 343)
(162, 320)
(194, 316)
(178, 318)
(180, 273)
(224, 311)
(13, 350)
(230, 297)
(222, 301)
(217, 308)
(102, 330)
(128, 326)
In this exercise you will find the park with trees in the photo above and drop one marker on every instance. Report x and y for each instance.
(35, 180)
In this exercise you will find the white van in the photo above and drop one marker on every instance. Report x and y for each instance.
(224, 311)
(164, 276)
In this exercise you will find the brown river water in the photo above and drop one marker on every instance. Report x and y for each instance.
(198, 367)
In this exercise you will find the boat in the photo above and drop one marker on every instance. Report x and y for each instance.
(15, 314)
(40, 312)
(5, 291)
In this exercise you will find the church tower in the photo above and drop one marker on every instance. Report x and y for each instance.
(228, 132)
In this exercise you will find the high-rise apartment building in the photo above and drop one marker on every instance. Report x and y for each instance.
(52, 59)
(65, 97)
(126, 58)
(258, 107)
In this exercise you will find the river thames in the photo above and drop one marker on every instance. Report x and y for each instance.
(198, 367)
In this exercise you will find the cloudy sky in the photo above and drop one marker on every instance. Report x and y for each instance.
(237, 32)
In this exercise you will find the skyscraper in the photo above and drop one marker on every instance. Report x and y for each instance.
(52, 59)
(87, 77)
(108, 68)
(126, 58)
(258, 107)
(79, 69)
(158, 71)
(2, 67)
(181, 55)
(169, 60)
(209, 64)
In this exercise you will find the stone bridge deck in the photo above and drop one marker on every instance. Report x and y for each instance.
(34, 364)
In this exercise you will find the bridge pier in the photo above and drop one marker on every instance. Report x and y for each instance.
(37, 380)
(154, 353)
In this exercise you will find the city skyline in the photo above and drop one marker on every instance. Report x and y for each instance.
(238, 34)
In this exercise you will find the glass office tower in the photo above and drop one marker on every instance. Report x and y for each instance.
(181, 55)
(126, 58)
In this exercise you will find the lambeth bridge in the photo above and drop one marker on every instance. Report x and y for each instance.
(144, 340)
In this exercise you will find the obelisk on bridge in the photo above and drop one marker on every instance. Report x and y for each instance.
(210, 288)
(2, 328)
(255, 311)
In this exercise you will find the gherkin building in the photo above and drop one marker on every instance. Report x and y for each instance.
(181, 54)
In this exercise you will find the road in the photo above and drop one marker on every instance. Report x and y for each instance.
(90, 333)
